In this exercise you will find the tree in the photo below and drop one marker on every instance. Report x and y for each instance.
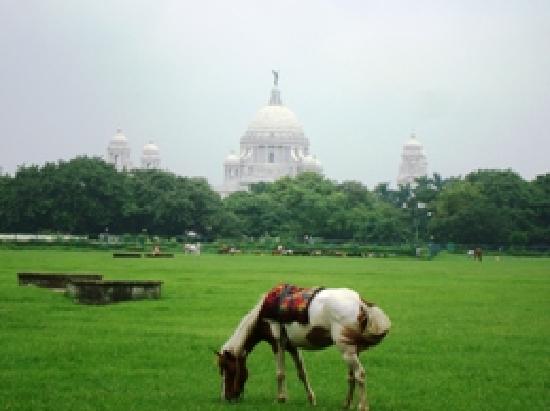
(463, 214)
(163, 203)
(540, 233)
(256, 214)
(510, 197)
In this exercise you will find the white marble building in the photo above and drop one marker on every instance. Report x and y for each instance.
(273, 146)
(413, 162)
(150, 157)
(118, 152)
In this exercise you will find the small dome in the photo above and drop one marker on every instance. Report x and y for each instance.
(232, 159)
(151, 149)
(310, 163)
(309, 160)
(413, 142)
(119, 138)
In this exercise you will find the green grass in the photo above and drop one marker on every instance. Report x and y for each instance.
(465, 336)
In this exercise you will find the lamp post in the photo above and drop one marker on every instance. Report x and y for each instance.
(416, 215)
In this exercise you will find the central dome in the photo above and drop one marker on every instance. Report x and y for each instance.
(275, 118)
(276, 123)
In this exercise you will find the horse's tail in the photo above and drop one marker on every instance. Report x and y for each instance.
(373, 325)
(378, 321)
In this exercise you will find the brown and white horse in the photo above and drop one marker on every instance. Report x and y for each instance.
(336, 316)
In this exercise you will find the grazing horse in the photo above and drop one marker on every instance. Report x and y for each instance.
(478, 254)
(288, 318)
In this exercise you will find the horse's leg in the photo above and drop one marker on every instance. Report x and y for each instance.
(302, 374)
(279, 349)
(356, 369)
(281, 386)
(351, 389)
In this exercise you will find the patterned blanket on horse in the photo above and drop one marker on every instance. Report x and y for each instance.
(287, 303)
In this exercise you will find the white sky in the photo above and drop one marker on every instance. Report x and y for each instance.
(470, 77)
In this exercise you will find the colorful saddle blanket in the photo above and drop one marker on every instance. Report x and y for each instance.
(287, 303)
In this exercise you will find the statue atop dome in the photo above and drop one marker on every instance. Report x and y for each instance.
(275, 77)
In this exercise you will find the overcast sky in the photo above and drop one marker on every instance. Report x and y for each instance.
(471, 78)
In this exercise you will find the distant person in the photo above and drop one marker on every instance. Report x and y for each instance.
(156, 250)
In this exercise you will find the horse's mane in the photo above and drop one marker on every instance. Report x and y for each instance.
(245, 328)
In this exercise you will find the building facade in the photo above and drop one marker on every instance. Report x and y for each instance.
(119, 154)
(413, 162)
(150, 157)
(273, 146)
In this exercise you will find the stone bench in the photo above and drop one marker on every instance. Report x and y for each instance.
(106, 292)
(54, 280)
(126, 255)
(159, 255)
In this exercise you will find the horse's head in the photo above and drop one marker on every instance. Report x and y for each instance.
(234, 375)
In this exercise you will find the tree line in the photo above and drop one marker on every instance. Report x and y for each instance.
(87, 196)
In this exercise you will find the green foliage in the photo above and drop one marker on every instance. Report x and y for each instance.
(88, 196)
(161, 202)
(488, 206)
(540, 205)
(78, 196)
(315, 206)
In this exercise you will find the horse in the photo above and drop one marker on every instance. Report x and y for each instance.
(478, 254)
(288, 318)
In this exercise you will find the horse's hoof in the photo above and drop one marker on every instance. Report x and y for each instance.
(311, 399)
(281, 399)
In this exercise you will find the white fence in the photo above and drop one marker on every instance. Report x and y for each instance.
(41, 237)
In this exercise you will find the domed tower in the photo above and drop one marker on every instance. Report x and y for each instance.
(232, 168)
(273, 146)
(118, 152)
(150, 157)
(413, 162)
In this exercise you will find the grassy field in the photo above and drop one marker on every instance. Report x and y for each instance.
(465, 336)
